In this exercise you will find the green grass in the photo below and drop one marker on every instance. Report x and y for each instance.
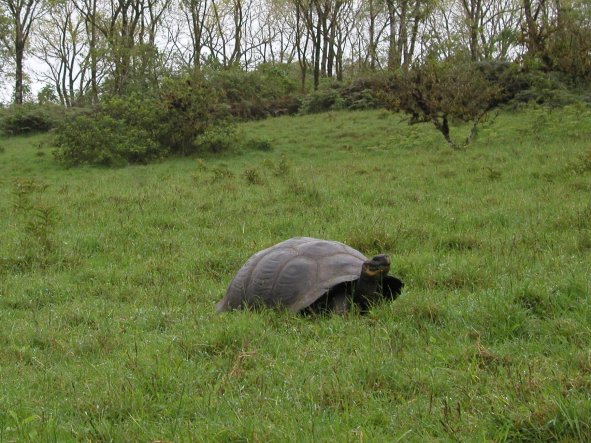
(108, 280)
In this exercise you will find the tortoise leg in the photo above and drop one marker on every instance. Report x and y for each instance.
(339, 303)
(340, 298)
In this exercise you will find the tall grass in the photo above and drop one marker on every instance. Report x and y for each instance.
(107, 327)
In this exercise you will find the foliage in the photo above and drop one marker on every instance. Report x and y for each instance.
(361, 93)
(104, 140)
(439, 91)
(29, 118)
(326, 98)
(141, 128)
(46, 95)
(188, 107)
(37, 223)
(217, 140)
(268, 90)
(568, 49)
(225, 139)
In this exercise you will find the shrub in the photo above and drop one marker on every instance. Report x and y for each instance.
(103, 140)
(254, 94)
(252, 176)
(326, 98)
(360, 94)
(141, 128)
(136, 111)
(441, 91)
(363, 92)
(257, 144)
(217, 140)
(284, 105)
(189, 106)
(529, 83)
(30, 118)
(544, 88)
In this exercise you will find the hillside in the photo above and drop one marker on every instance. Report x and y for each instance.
(108, 278)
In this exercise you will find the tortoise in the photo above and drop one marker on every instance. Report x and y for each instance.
(310, 275)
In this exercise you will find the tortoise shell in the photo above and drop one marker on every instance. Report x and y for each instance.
(293, 274)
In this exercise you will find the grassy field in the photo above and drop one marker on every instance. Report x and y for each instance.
(108, 280)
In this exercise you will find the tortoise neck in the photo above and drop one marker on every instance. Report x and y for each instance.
(366, 286)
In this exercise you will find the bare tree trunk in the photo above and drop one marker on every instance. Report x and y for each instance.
(195, 12)
(331, 53)
(534, 37)
(19, 49)
(331, 37)
(410, 50)
(238, 23)
(22, 14)
(317, 41)
(473, 17)
(372, 47)
(394, 58)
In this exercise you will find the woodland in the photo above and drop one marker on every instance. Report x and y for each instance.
(196, 65)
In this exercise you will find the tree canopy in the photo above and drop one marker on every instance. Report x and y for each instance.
(85, 48)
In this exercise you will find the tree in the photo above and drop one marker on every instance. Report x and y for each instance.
(64, 50)
(195, 13)
(4, 39)
(536, 15)
(127, 30)
(21, 16)
(302, 38)
(568, 47)
(439, 91)
(404, 19)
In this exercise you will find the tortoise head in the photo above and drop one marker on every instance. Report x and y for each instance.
(376, 268)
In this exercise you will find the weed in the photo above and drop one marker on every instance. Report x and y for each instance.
(492, 174)
(23, 190)
(252, 176)
(585, 162)
(584, 241)
(283, 166)
(304, 192)
(37, 222)
(459, 243)
(200, 164)
(262, 144)
(221, 173)
(40, 225)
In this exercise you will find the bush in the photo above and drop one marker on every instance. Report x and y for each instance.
(364, 92)
(530, 83)
(142, 128)
(225, 138)
(217, 140)
(255, 94)
(546, 88)
(284, 105)
(30, 118)
(255, 144)
(326, 98)
(103, 140)
(360, 94)
(439, 91)
(189, 106)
